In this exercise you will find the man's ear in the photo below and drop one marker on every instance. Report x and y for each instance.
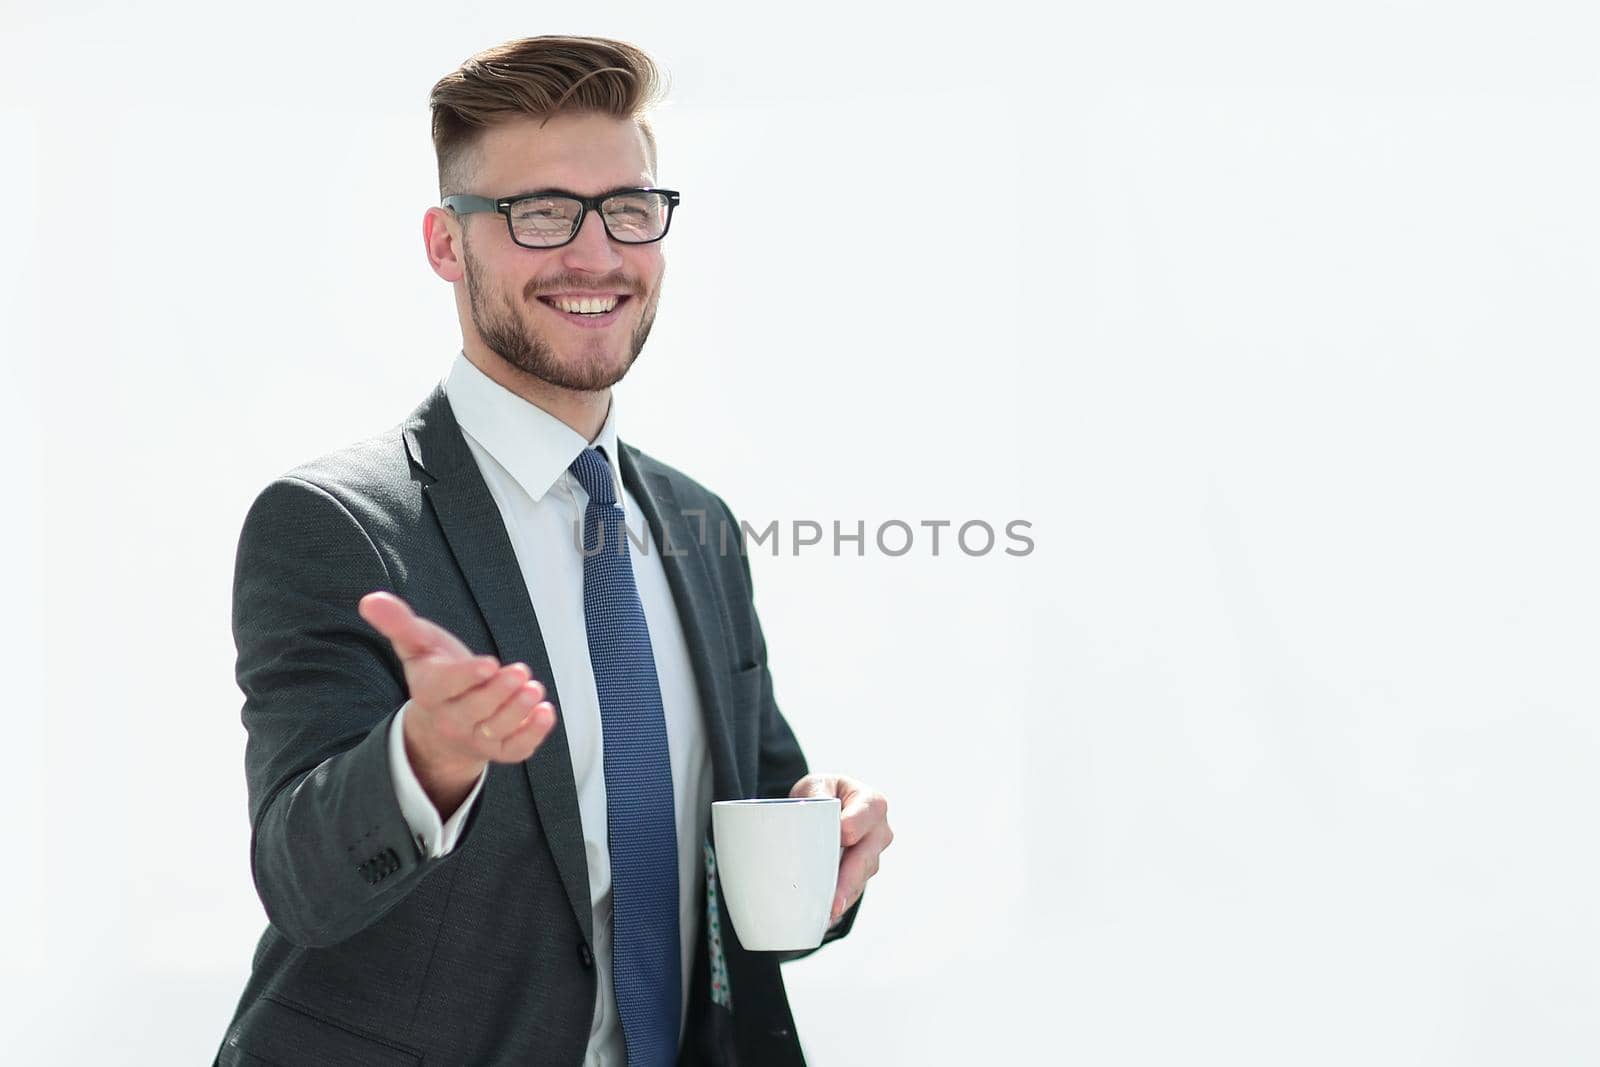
(443, 240)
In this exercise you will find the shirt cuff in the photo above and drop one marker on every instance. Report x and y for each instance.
(434, 839)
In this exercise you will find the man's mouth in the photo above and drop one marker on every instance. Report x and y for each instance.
(587, 309)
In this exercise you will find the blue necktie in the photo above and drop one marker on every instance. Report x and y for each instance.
(640, 822)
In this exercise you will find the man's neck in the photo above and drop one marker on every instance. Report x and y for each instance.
(584, 412)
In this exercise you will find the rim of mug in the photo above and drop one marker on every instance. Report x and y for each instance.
(777, 800)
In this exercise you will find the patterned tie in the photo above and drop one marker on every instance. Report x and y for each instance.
(640, 821)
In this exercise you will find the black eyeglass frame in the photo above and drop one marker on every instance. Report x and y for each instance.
(466, 204)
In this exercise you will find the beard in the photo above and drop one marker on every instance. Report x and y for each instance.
(507, 334)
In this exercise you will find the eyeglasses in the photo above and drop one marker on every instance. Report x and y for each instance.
(552, 217)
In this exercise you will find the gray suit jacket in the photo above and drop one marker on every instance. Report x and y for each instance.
(376, 954)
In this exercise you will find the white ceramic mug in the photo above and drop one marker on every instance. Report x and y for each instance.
(778, 866)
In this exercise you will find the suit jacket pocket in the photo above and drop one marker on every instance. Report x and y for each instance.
(276, 1032)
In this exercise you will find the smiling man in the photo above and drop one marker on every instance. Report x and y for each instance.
(482, 751)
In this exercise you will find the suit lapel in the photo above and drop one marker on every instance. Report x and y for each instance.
(477, 535)
(679, 545)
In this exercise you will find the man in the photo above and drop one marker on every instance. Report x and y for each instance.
(482, 752)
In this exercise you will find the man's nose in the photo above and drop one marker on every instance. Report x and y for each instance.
(592, 249)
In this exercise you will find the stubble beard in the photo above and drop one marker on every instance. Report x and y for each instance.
(506, 333)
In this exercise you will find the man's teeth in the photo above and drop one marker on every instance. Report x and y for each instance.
(586, 306)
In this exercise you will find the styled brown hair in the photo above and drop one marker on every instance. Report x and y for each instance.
(537, 76)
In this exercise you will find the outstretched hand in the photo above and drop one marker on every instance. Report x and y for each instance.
(466, 710)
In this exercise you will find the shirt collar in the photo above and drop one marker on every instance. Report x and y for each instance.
(534, 446)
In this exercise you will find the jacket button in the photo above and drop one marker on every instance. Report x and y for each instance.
(585, 955)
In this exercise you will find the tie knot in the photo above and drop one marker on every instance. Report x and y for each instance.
(594, 474)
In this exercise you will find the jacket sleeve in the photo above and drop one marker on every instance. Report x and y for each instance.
(781, 761)
(331, 851)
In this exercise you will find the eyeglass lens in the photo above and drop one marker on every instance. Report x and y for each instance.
(550, 220)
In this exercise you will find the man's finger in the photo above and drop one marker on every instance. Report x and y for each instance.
(863, 810)
(816, 785)
(525, 740)
(497, 714)
(411, 635)
(440, 682)
(860, 862)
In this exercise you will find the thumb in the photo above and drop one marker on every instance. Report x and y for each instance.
(394, 619)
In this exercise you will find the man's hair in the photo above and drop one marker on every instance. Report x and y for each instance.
(539, 77)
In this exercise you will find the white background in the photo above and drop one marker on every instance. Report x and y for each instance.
(1278, 323)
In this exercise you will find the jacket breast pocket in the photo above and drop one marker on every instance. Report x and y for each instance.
(275, 1032)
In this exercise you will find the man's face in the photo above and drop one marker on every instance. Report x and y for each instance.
(513, 291)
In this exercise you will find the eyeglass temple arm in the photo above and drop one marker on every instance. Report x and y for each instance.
(463, 204)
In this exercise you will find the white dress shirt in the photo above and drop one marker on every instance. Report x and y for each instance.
(523, 453)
